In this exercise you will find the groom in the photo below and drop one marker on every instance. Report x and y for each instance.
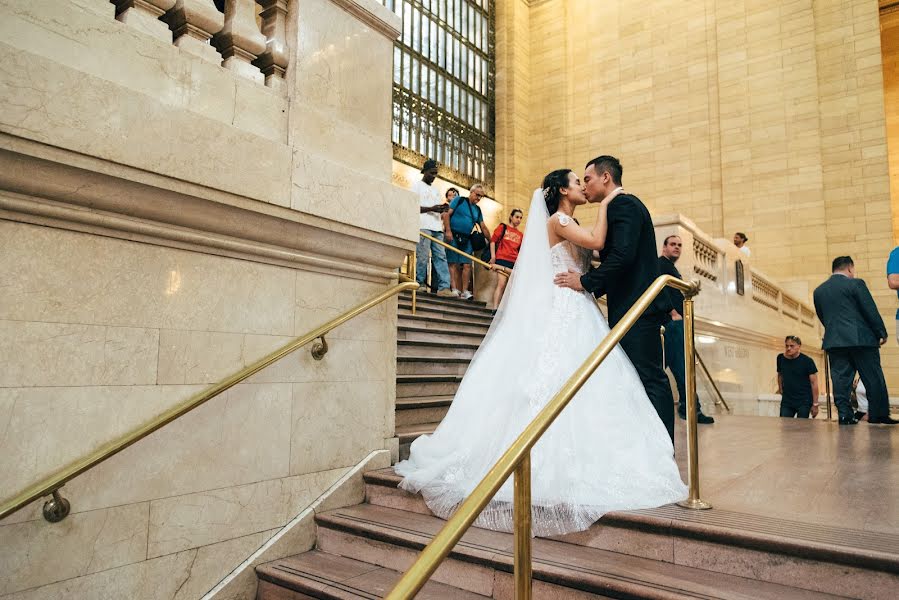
(629, 266)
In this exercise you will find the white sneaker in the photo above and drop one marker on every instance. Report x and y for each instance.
(456, 293)
(447, 293)
(466, 295)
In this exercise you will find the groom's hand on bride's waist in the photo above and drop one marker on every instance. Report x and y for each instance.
(571, 279)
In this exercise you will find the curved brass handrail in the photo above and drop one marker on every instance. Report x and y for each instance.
(51, 484)
(517, 458)
(497, 268)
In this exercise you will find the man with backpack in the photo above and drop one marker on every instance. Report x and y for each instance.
(464, 215)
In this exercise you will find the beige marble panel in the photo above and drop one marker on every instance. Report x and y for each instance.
(337, 53)
(208, 357)
(336, 191)
(336, 424)
(49, 354)
(240, 437)
(72, 277)
(321, 297)
(38, 552)
(201, 519)
(94, 113)
(182, 576)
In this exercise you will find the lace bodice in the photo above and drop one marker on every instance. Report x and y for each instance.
(567, 256)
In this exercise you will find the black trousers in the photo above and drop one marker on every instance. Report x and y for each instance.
(844, 363)
(790, 410)
(643, 346)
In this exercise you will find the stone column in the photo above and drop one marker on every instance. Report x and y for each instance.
(193, 23)
(240, 42)
(273, 62)
(144, 15)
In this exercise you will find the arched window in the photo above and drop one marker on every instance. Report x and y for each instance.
(443, 92)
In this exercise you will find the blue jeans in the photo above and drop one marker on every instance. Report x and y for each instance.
(423, 253)
(674, 360)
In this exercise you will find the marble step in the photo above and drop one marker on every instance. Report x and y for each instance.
(426, 385)
(427, 365)
(443, 324)
(847, 562)
(481, 562)
(418, 410)
(323, 576)
(431, 349)
(408, 434)
(435, 299)
(437, 334)
(446, 312)
(427, 307)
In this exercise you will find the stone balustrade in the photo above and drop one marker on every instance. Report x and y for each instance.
(734, 290)
(248, 37)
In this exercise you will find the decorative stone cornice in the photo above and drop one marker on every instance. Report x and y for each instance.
(375, 15)
(48, 186)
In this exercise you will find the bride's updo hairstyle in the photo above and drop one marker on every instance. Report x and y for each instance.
(552, 189)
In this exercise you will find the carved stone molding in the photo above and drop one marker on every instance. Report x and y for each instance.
(55, 188)
(144, 15)
(193, 23)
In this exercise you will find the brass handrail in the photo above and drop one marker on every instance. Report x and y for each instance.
(517, 457)
(708, 376)
(497, 268)
(57, 508)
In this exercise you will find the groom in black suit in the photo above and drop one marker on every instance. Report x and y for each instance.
(629, 266)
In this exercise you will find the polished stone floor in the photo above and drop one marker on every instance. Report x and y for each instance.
(810, 471)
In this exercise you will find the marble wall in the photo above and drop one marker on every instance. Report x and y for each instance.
(166, 220)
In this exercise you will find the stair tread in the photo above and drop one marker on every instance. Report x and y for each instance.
(433, 298)
(406, 431)
(444, 320)
(440, 331)
(824, 542)
(332, 577)
(428, 378)
(580, 567)
(437, 344)
(423, 402)
(415, 359)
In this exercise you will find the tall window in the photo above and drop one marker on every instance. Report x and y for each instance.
(443, 76)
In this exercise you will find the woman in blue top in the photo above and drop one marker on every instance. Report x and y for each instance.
(464, 214)
(893, 279)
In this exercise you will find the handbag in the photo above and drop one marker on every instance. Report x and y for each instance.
(477, 237)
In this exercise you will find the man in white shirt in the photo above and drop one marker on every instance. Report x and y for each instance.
(434, 222)
(740, 240)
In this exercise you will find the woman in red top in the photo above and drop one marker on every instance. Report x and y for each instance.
(504, 246)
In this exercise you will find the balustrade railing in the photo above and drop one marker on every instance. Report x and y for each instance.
(706, 260)
(248, 37)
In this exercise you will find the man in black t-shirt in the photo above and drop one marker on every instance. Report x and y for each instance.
(797, 381)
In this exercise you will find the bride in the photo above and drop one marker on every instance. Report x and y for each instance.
(607, 451)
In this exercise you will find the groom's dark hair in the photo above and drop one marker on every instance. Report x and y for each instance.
(610, 164)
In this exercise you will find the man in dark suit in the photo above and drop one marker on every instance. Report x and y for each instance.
(629, 265)
(674, 328)
(853, 334)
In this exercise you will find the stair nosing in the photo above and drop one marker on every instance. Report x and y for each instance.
(501, 559)
(437, 344)
(439, 331)
(803, 547)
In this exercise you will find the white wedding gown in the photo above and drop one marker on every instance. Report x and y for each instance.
(607, 451)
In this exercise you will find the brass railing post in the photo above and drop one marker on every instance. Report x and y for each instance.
(522, 515)
(827, 382)
(693, 501)
(662, 337)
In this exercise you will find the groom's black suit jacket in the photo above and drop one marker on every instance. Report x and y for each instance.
(629, 261)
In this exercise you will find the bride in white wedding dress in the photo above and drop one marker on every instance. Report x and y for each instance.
(607, 451)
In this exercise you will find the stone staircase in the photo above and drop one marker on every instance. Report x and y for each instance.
(661, 554)
(434, 348)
